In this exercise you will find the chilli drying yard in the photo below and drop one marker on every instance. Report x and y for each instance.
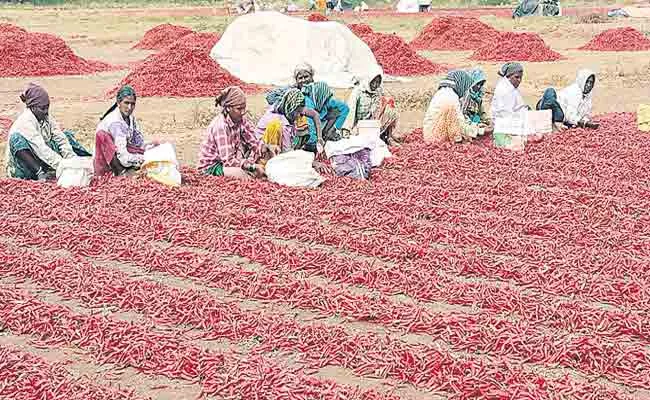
(455, 272)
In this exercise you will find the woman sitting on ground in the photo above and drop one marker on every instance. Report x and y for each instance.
(507, 97)
(333, 112)
(230, 147)
(281, 124)
(444, 120)
(36, 144)
(572, 106)
(472, 103)
(367, 101)
(119, 143)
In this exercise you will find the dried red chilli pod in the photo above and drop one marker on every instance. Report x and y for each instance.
(444, 326)
(27, 376)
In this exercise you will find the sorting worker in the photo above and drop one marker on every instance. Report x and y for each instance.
(507, 98)
(332, 111)
(119, 143)
(444, 120)
(302, 75)
(283, 123)
(36, 144)
(230, 146)
(367, 101)
(472, 103)
(571, 106)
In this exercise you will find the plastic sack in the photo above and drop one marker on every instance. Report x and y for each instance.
(160, 164)
(75, 172)
(356, 165)
(378, 149)
(643, 117)
(293, 168)
(525, 123)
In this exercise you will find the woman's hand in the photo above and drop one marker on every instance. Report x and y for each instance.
(271, 150)
(592, 125)
(258, 171)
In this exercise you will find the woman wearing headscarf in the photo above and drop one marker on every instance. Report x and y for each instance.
(280, 124)
(507, 97)
(230, 147)
(444, 120)
(333, 112)
(36, 144)
(367, 101)
(572, 105)
(472, 103)
(302, 75)
(119, 143)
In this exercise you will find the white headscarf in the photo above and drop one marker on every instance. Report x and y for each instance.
(576, 105)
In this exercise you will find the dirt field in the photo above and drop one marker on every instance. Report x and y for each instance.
(478, 275)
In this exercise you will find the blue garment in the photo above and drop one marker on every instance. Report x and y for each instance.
(17, 142)
(549, 102)
(332, 104)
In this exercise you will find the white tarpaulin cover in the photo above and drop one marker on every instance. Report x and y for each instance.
(407, 6)
(265, 47)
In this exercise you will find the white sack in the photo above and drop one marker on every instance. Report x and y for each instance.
(161, 165)
(75, 171)
(264, 48)
(378, 149)
(293, 168)
(408, 6)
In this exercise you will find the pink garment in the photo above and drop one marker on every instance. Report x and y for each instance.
(288, 130)
(105, 150)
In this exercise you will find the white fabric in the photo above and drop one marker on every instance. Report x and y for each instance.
(408, 6)
(36, 134)
(378, 149)
(160, 164)
(265, 47)
(293, 168)
(506, 100)
(525, 123)
(443, 98)
(576, 106)
(75, 172)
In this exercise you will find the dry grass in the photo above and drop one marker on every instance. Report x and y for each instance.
(593, 19)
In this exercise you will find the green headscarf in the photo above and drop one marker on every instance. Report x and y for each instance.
(477, 76)
(125, 91)
(320, 93)
(461, 82)
(510, 68)
(291, 102)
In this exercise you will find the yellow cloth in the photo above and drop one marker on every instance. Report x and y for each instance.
(321, 4)
(301, 123)
(643, 117)
(272, 135)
